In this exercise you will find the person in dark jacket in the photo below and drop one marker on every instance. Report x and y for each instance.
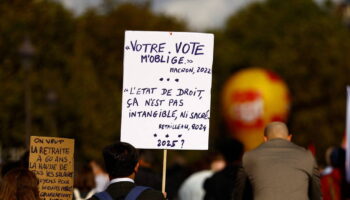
(122, 163)
(221, 184)
(146, 175)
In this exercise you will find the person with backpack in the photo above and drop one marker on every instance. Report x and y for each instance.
(122, 163)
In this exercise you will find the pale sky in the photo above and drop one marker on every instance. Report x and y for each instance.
(199, 14)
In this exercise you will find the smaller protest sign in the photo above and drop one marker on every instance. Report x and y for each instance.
(51, 159)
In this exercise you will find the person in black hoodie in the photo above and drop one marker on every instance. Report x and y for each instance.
(221, 184)
(146, 175)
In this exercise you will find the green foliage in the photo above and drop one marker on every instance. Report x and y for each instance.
(47, 25)
(76, 75)
(308, 47)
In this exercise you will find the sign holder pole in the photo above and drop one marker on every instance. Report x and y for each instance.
(347, 136)
(164, 170)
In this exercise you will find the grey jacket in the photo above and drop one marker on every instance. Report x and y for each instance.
(279, 170)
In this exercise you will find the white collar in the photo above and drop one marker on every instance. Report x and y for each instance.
(116, 180)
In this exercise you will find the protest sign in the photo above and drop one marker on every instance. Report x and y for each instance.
(51, 159)
(166, 89)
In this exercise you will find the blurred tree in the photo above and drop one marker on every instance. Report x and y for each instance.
(76, 77)
(308, 47)
(51, 29)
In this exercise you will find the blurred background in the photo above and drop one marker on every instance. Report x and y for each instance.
(61, 68)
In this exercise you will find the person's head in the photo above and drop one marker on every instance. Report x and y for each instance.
(275, 130)
(84, 179)
(121, 160)
(97, 167)
(231, 149)
(147, 158)
(22, 162)
(335, 157)
(19, 184)
(216, 161)
(10, 166)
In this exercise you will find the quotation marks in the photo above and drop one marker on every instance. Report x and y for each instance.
(168, 79)
(126, 90)
(127, 47)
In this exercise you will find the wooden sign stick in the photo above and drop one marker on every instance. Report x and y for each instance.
(164, 170)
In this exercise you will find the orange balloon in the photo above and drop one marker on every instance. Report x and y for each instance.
(251, 99)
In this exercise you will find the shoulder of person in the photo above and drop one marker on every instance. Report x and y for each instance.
(208, 182)
(303, 150)
(93, 198)
(306, 154)
(310, 155)
(300, 148)
(247, 156)
(151, 194)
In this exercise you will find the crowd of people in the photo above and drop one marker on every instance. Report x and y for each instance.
(277, 169)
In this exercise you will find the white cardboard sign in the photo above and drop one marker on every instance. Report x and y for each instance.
(166, 89)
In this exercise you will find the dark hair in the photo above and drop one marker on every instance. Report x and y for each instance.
(19, 184)
(22, 163)
(10, 166)
(147, 156)
(85, 179)
(120, 159)
(231, 149)
(337, 157)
